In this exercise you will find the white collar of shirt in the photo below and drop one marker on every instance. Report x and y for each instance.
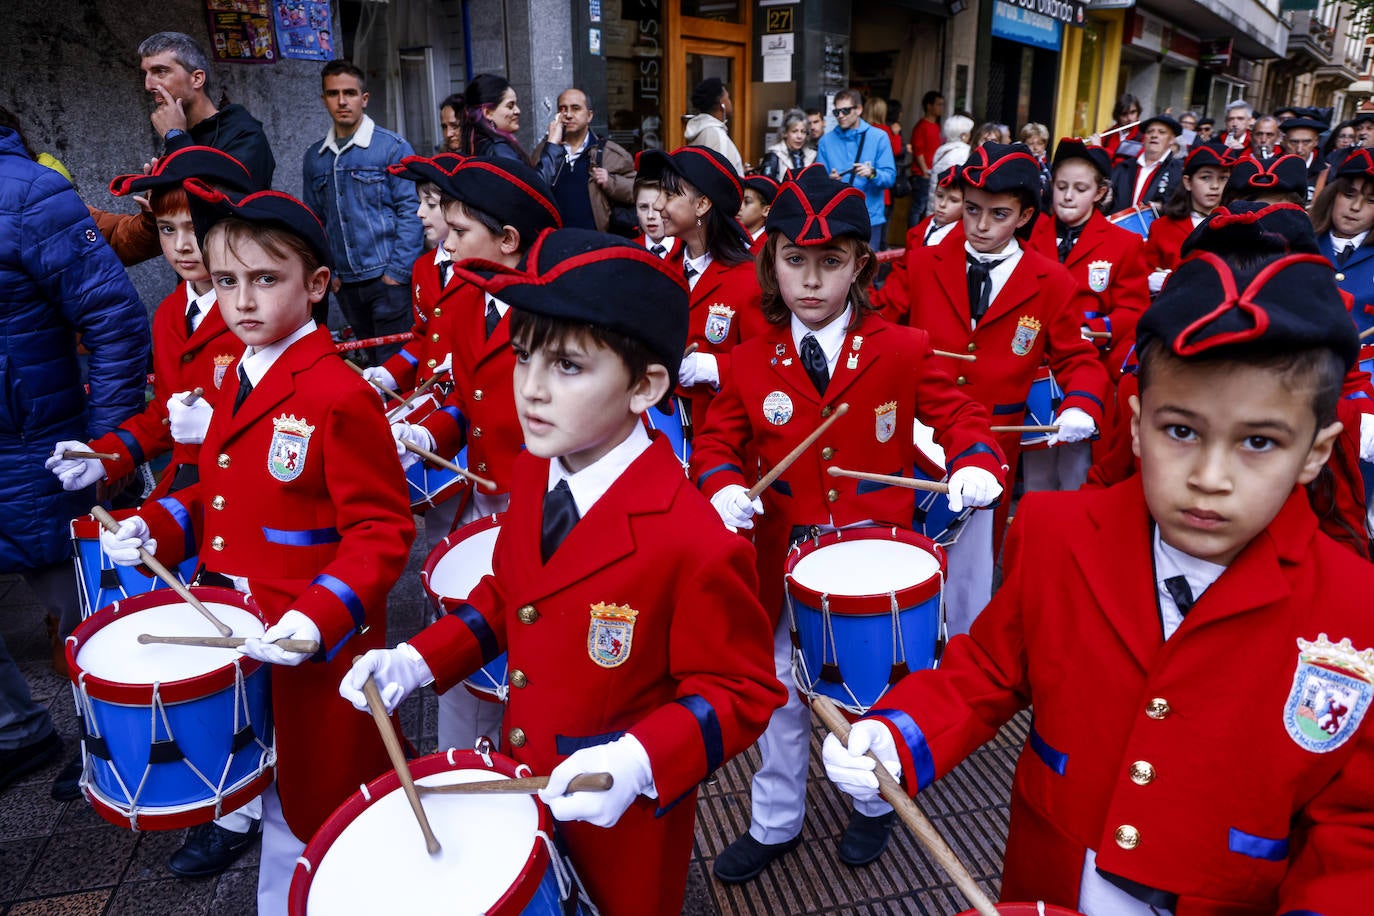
(831, 337)
(937, 233)
(203, 305)
(1197, 218)
(361, 137)
(1170, 562)
(1002, 272)
(1145, 174)
(1337, 243)
(699, 264)
(441, 255)
(572, 154)
(256, 362)
(501, 307)
(666, 242)
(755, 236)
(591, 483)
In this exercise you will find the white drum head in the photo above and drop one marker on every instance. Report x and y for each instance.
(379, 863)
(458, 571)
(114, 654)
(865, 566)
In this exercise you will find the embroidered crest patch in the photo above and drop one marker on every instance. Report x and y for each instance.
(222, 364)
(1027, 328)
(1099, 275)
(611, 634)
(777, 407)
(718, 318)
(290, 443)
(886, 423)
(1331, 692)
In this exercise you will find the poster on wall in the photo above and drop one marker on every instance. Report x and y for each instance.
(303, 29)
(241, 31)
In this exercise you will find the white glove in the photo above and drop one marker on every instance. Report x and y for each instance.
(74, 473)
(378, 374)
(397, 672)
(189, 423)
(734, 506)
(627, 762)
(851, 768)
(1156, 280)
(122, 546)
(1367, 437)
(293, 625)
(972, 487)
(415, 435)
(1074, 426)
(445, 366)
(698, 369)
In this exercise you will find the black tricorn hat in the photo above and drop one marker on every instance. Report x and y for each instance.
(507, 189)
(276, 208)
(1217, 155)
(704, 168)
(1073, 148)
(999, 168)
(1284, 174)
(426, 168)
(210, 165)
(813, 209)
(763, 186)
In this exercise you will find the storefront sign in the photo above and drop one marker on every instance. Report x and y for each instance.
(1070, 12)
(1015, 23)
(1216, 52)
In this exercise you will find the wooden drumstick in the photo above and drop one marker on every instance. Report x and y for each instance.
(306, 646)
(191, 398)
(1366, 332)
(398, 759)
(796, 453)
(410, 398)
(1102, 334)
(164, 573)
(375, 384)
(966, 357)
(587, 782)
(98, 456)
(910, 813)
(911, 483)
(484, 483)
(1023, 429)
(691, 348)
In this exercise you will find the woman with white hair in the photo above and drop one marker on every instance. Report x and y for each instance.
(955, 150)
(792, 152)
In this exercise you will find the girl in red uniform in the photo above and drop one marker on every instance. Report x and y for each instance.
(1205, 173)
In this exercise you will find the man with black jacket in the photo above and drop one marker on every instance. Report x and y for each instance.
(589, 175)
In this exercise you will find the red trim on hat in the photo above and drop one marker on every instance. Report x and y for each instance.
(1224, 216)
(1360, 153)
(819, 221)
(122, 185)
(211, 195)
(528, 189)
(503, 276)
(724, 170)
(1244, 301)
(985, 169)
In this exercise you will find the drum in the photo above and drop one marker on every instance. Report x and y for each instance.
(173, 736)
(1042, 405)
(933, 517)
(670, 424)
(497, 856)
(452, 570)
(865, 610)
(1137, 220)
(98, 580)
(428, 486)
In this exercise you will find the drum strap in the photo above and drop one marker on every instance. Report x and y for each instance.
(244, 737)
(165, 751)
(109, 579)
(96, 746)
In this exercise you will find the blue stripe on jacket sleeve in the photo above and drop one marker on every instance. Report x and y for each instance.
(131, 444)
(481, 631)
(1257, 847)
(183, 518)
(308, 537)
(1055, 760)
(915, 741)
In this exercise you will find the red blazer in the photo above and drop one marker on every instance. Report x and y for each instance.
(725, 307)
(892, 301)
(889, 378)
(1166, 238)
(321, 526)
(1162, 736)
(414, 363)
(1034, 320)
(480, 410)
(179, 364)
(694, 684)
(1109, 266)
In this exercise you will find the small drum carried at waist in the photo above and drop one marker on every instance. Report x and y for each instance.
(428, 486)
(865, 610)
(497, 853)
(173, 735)
(452, 570)
(670, 424)
(1042, 406)
(933, 516)
(99, 581)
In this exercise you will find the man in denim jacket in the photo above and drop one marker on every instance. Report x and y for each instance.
(368, 214)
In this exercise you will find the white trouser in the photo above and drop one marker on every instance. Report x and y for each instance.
(241, 820)
(968, 581)
(280, 850)
(1063, 467)
(438, 523)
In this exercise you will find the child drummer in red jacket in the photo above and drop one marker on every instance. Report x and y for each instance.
(824, 347)
(632, 649)
(301, 502)
(1198, 655)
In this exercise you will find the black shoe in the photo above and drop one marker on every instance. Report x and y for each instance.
(745, 858)
(24, 760)
(67, 786)
(865, 838)
(210, 849)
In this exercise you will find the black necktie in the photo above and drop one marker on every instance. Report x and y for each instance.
(1067, 236)
(930, 230)
(688, 271)
(813, 360)
(191, 314)
(659, 250)
(980, 286)
(245, 387)
(1344, 255)
(1181, 592)
(493, 316)
(445, 271)
(560, 514)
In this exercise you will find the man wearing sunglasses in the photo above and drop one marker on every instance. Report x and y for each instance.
(860, 154)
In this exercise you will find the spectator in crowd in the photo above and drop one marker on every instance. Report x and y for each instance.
(488, 118)
(861, 155)
(451, 122)
(1300, 138)
(1204, 130)
(876, 115)
(956, 148)
(1364, 129)
(1266, 138)
(1338, 143)
(1151, 177)
(58, 279)
(707, 127)
(1036, 136)
(988, 132)
(925, 140)
(792, 152)
(588, 174)
(1240, 117)
(1186, 140)
(815, 126)
(375, 247)
(1125, 111)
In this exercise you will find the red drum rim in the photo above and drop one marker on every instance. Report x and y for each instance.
(87, 528)
(161, 819)
(179, 691)
(444, 603)
(876, 603)
(1028, 909)
(1366, 352)
(516, 898)
(418, 410)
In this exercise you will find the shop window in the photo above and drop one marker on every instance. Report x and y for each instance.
(418, 122)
